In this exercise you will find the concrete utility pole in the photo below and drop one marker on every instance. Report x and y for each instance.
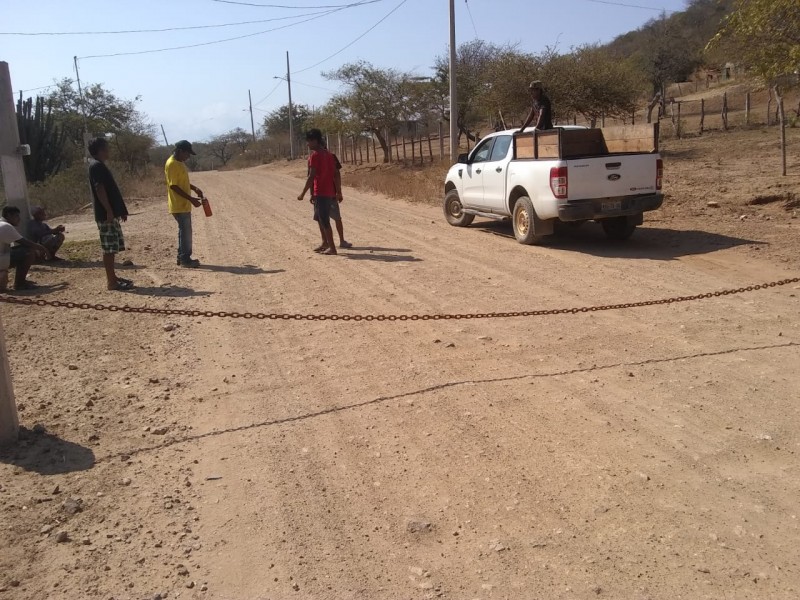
(252, 122)
(291, 110)
(16, 195)
(10, 153)
(164, 133)
(453, 88)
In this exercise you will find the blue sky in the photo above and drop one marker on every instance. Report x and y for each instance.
(198, 92)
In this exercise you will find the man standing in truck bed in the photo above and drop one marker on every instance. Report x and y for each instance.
(541, 109)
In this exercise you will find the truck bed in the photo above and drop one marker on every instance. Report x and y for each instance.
(568, 144)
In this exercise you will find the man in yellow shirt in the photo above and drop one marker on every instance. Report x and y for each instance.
(179, 192)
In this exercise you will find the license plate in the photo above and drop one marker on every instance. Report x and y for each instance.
(612, 206)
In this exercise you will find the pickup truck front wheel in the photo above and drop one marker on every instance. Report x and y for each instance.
(524, 220)
(618, 228)
(454, 211)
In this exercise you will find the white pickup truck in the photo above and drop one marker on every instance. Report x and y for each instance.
(570, 174)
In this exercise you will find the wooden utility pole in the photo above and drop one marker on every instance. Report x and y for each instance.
(291, 109)
(164, 133)
(252, 122)
(16, 195)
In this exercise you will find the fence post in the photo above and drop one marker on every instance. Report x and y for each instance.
(702, 115)
(430, 146)
(680, 125)
(404, 148)
(441, 141)
(413, 150)
(747, 109)
(725, 111)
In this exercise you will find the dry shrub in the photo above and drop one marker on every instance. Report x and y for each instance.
(417, 183)
(68, 190)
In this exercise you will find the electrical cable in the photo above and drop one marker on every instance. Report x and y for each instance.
(338, 52)
(275, 89)
(124, 31)
(661, 10)
(255, 4)
(469, 11)
(239, 37)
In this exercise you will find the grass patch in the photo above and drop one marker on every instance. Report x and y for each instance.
(81, 251)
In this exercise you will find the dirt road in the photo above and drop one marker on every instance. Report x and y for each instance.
(648, 453)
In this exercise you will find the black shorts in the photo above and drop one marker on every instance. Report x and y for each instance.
(322, 210)
(19, 254)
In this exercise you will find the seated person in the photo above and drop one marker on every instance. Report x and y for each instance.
(21, 256)
(40, 232)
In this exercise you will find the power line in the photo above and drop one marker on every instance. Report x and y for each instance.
(238, 37)
(275, 89)
(338, 52)
(361, 3)
(631, 5)
(469, 11)
(35, 33)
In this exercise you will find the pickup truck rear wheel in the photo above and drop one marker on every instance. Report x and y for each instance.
(454, 211)
(523, 220)
(618, 228)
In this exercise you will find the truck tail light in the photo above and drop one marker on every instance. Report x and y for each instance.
(659, 173)
(559, 182)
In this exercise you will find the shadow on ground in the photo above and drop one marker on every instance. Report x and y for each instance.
(652, 243)
(241, 270)
(47, 454)
(169, 291)
(376, 253)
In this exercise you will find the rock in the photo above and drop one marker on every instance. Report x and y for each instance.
(47, 528)
(644, 476)
(295, 587)
(86, 541)
(169, 327)
(39, 429)
(168, 505)
(62, 537)
(56, 490)
(484, 338)
(418, 571)
(73, 367)
(94, 437)
(160, 431)
(742, 217)
(126, 481)
(183, 571)
(450, 345)
(419, 527)
(497, 546)
(127, 263)
(72, 506)
(190, 584)
(713, 204)
(89, 403)
(153, 380)
(204, 588)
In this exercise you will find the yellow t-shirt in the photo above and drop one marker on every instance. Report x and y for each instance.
(177, 174)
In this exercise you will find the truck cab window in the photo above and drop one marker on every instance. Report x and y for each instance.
(482, 152)
(501, 145)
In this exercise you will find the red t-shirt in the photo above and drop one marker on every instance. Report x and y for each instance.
(324, 165)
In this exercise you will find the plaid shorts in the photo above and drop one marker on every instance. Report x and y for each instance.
(111, 238)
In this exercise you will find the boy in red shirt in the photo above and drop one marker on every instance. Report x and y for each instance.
(322, 177)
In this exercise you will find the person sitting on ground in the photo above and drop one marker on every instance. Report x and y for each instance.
(541, 108)
(41, 233)
(109, 210)
(322, 178)
(21, 256)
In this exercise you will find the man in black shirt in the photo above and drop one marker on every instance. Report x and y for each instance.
(541, 109)
(109, 210)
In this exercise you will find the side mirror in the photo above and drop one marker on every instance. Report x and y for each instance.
(463, 159)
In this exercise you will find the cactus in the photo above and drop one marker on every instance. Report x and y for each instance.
(37, 128)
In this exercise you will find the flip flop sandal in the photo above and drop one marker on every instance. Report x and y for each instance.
(123, 285)
(126, 281)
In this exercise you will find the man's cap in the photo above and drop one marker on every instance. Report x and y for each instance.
(536, 85)
(185, 145)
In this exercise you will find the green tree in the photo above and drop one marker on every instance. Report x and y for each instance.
(375, 100)
(765, 36)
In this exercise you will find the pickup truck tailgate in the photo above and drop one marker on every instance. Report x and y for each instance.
(612, 176)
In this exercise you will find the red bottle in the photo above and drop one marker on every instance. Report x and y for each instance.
(207, 207)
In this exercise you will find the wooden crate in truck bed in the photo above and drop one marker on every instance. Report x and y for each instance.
(580, 143)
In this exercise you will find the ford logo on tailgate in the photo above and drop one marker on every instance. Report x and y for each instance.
(614, 177)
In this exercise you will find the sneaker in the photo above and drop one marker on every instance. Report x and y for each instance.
(192, 264)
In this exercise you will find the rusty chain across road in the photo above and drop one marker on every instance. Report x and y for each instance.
(435, 317)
